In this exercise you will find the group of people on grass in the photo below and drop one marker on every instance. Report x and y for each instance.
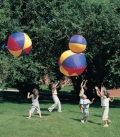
(83, 103)
(35, 102)
(105, 99)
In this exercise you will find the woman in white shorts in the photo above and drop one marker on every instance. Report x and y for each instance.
(105, 105)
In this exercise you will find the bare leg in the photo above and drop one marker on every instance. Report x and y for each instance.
(109, 121)
(86, 118)
(29, 114)
(81, 107)
(40, 114)
(106, 123)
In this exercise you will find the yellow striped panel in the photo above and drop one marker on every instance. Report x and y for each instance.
(65, 54)
(63, 71)
(77, 48)
(15, 53)
(27, 42)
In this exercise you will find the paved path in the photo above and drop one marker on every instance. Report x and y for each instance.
(10, 90)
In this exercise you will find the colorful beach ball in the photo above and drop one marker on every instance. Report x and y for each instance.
(77, 43)
(72, 64)
(19, 44)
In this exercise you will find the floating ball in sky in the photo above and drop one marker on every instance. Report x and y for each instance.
(77, 43)
(19, 44)
(72, 64)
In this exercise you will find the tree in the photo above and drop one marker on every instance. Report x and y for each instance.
(50, 24)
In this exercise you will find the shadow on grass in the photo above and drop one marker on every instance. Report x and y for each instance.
(96, 115)
(17, 97)
(89, 121)
(74, 111)
(94, 122)
(46, 98)
(76, 119)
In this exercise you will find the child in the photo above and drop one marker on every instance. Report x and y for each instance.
(86, 103)
(105, 105)
(82, 90)
(55, 98)
(35, 103)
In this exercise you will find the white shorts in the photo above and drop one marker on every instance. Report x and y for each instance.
(86, 112)
(33, 107)
(81, 101)
(105, 111)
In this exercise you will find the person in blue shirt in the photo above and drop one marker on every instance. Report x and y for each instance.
(86, 103)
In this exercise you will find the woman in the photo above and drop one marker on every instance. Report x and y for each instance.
(55, 98)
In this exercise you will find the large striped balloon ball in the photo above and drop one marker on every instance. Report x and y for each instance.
(72, 64)
(77, 43)
(19, 44)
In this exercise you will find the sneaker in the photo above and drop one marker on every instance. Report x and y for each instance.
(82, 121)
(105, 125)
(28, 117)
(40, 117)
(86, 121)
(49, 110)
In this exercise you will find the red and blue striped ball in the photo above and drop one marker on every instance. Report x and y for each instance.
(77, 43)
(72, 64)
(19, 44)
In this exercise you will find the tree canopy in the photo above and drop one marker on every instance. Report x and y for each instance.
(50, 24)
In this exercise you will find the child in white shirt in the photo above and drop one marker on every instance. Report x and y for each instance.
(86, 103)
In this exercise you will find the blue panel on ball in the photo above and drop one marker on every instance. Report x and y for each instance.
(19, 38)
(78, 39)
(75, 61)
(23, 53)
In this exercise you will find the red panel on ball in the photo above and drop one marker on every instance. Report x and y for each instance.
(12, 45)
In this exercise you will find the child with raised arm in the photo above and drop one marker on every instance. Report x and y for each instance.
(105, 104)
(35, 103)
(55, 98)
(86, 103)
(82, 90)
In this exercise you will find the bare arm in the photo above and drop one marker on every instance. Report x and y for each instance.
(58, 83)
(99, 93)
(82, 84)
(92, 101)
(111, 100)
(28, 95)
(85, 84)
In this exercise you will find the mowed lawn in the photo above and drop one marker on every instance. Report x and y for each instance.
(14, 109)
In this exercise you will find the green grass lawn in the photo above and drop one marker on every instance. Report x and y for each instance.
(14, 109)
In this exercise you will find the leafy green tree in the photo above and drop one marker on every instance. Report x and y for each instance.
(50, 24)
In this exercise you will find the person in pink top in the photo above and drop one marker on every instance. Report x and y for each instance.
(55, 98)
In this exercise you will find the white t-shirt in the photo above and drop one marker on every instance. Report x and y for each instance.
(35, 100)
(85, 103)
(105, 101)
